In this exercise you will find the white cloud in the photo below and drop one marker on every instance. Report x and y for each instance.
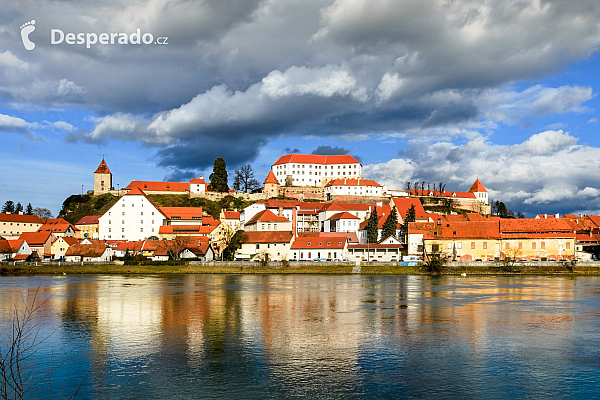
(9, 60)
(593, 121)
(65, 126)
(550, 168)
(8, 123)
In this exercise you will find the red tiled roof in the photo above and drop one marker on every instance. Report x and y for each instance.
(102, 168)
(151, 186)
(316, 159)
(5, 247)
(266, 216)
(86, 250)
(20, 257)
(403, 205)
(531, 225)
(89, 220)
(477, 187)
(55, 221)
(352, 182)
(376, 246)
(279, 203)
(457, 230)
(131, 246)
(332, 242)
(475, 217)
(35, 238)
(454, 218)
(267, 237)
(62, 228)
(210, 221)
(182, 213)
(70, 240)
(342, 215)
(231, 214)
(271, 178)
(15, 244)
(198, 180)
(29, 219)
(595, 219)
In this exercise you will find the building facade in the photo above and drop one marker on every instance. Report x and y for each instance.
(315, 170)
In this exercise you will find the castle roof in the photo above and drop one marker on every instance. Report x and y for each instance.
(316, 159)
(352, 182)
(102, 168)
(152, 186)
(271, 178)
(477, 187)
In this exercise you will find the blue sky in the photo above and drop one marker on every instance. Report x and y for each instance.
(417, 90)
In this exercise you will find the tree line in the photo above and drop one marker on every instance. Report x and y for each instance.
(243, 180)
(10, 207)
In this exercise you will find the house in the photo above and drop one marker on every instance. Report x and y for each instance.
(342, 222)
(133, 217)
(352, 187)
(267, 221)
(231, 218)
(274, 244)
(383, 213)
(200, 250)
(59, 229)
(314, 170)
(388, 249)
(61, 245)
(88, 226)
(6, 251)
(20, 250)
(317, 248)
(198, 186)
(39, 242)
(89, 253)
(461, 241)
(13, 225)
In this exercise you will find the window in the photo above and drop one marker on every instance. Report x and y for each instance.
(141, 229)
(568, 245)
(520, 246)
(533, 246)
(109, 229)
(507, 246)
(123, 213)
(543, 245)
(485, 245)
(472, 245)
(459, 245)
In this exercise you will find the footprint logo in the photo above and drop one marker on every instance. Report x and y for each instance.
(26, 29)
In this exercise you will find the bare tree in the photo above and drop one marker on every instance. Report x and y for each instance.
(177, 245)
(43, 213)
(408, 187)
(244, 179)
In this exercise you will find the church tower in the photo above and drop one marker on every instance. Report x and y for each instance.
(102, 179)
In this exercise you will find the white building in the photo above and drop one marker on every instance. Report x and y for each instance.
(133, 217)
(314, 170)
(353, 187)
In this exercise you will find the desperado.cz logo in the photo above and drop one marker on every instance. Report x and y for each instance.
(57, 36)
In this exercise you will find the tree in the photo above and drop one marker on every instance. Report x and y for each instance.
(29, 209)
(448, 204)
(9, 207)
(176, 246)
(390, 224)
(372, 227)
(244, 179)
(218, 179)
(18, 208)
(43, 213)
(410, 217)
(234, 244)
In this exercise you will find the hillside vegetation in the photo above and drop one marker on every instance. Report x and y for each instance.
(78, 206)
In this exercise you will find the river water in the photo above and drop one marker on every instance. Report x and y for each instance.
(299, 336)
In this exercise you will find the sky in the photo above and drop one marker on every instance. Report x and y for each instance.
(417, 90)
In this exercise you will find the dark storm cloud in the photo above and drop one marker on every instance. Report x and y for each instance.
(329, 150)
(289, 150)
(236, 74)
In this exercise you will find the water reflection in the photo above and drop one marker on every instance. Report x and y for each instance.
(223, 336)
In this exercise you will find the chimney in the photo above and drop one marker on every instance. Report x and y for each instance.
(344, 181)
(8, 212)
(20, 212)
(358, 182)
(545, 216)
(557, 215)
(379, 204)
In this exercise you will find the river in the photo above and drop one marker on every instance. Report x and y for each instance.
(311, 336)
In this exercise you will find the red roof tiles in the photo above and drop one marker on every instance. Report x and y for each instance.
(266, 216)
(89, 220)
(102, 168)
(182, 213)
(267, 237)
(477, 187)
(352, 182)
(150, 186)
(332, 242)
(29, 219)
(271, 178)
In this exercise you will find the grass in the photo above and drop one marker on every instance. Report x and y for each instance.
(276, 268)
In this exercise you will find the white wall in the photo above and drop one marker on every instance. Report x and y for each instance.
(132, 218)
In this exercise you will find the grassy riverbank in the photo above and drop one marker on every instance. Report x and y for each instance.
(287, 268)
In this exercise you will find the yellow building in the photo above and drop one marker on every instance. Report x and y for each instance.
(88, 227)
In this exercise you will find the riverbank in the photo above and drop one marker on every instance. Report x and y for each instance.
(294, 268)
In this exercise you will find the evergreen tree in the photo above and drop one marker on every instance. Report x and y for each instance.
(18, 208)
(29, 209)
(234, 244)
(218, 179)
(9, 207)
(390, 224)
(372, 228)
(410, 217)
